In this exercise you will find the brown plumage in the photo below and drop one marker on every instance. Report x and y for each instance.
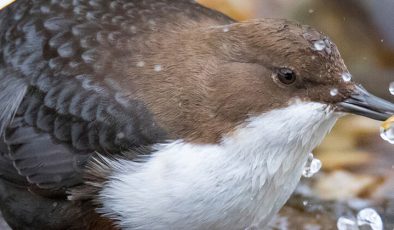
(206, 104)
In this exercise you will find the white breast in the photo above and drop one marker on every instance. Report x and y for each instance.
(240, 182)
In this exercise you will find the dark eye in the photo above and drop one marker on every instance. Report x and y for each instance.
(286, 76)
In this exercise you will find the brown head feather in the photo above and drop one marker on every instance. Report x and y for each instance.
(208, 78)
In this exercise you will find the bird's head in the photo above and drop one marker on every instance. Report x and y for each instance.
(225, 74)
(282, 61)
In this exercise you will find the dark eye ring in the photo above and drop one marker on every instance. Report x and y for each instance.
(286, 76)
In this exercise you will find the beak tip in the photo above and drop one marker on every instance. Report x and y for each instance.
(361, 102)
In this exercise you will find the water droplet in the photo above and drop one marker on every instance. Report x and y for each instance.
(387, 135)
(334, 92)
(381, 40)
(391, 88)
(120, 135)
(158, 68)
(140, 64)
(319, 45)
(226, 29)
(344, 223)
(305, 203)
(313, 57)
(371, 218)
(312, 166)
(346, 76)
(387, 130)
(311, 11)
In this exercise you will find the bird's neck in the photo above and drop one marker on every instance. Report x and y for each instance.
(254, 170)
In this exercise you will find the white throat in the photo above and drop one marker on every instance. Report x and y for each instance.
(240, 182)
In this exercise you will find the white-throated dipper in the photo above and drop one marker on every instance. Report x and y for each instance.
(160, 114)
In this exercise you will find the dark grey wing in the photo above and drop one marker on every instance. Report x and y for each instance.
(41, 159)
(61, 77)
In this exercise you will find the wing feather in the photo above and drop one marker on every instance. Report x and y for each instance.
(60, 77)
(12, 91)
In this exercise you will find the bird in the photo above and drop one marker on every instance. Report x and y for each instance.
(161, 114)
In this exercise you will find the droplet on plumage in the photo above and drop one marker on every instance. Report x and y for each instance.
(346, 76)
(226, 29)
(334, 92)
(140, 64)
(158, 68)
(120, 135)
(311, 11)
(319, 45)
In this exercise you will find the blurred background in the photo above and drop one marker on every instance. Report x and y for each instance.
(358, 166)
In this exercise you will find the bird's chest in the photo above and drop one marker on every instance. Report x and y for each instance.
(242, 181)
(247, 193)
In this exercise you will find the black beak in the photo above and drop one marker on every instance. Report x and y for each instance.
(361, 102)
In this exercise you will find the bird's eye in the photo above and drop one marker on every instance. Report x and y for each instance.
(286, 76)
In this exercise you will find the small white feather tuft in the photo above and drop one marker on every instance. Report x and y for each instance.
(12, 91)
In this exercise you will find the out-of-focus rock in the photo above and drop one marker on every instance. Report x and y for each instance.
(358, 126)
(291, 218)
(341, 185)
(346, 133)
(333, 160)
(337, 141)
(386, 190)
